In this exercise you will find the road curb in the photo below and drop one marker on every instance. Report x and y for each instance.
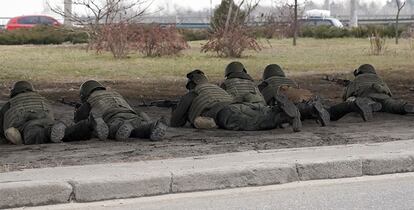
(254, 168)
(34, 193)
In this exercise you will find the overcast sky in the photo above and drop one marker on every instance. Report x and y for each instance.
(11, 8)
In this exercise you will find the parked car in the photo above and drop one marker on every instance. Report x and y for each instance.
(320, 21)
(30, 22)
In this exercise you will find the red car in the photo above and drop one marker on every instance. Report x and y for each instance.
(30, 22)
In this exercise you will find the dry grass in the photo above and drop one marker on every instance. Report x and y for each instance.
(72, 63)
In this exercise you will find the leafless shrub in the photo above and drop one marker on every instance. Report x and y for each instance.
(150, 40)
(232, 43)
(107, 22)
(155, 41)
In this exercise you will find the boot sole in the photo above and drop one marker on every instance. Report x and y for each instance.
(101, 129)
(323, 115)
(365, 109)
(57, 133)
(287, 106)
(158, 132)
(124, 132)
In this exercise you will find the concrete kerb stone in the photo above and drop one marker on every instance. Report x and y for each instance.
(395, 163)
(129, 180)
(101, 189)
(334, 169)
(33, 193)
(232, 177)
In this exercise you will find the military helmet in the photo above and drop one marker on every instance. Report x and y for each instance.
(273, 70)
(234, 67)
(21, 87)
(195, 78)
(365, 69)
(88, 87)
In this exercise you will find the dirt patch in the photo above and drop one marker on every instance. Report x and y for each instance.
(187, 142)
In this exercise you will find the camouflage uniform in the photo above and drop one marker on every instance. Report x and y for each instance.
(369, 85)
(239, 84)
(27, 118)
(210, 101)
(276, 83)
(106, 113)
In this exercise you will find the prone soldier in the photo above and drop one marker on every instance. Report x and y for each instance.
(242, 87)
(27, 118)
(208, 101)
(105, 113)
(368, 84)
(275, 82)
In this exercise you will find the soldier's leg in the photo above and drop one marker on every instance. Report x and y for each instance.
(251, 117)
(291, 112)
(238, 117)
(43, 131)
(139, 127)
(78, 132)
(363, 106)
(394, 106)
(86, 129)
(314, 109)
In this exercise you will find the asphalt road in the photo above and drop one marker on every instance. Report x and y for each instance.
(382, 192)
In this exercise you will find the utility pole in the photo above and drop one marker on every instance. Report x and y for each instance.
(211, 10)
(68, 12)
(295, 23)
(327, 5)
(353, 14)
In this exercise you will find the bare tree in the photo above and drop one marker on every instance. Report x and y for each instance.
(289, 12)
(103, 12)
(107, 22)
(400, 6)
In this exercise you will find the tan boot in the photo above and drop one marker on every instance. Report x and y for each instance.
(205, 123)
(14, 136)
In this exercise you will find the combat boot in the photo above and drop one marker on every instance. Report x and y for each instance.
(158, 130)
(57, 132)
(291, 111)
(13, 136)
(154, 131)
(124, 132)
(314, 110)
(321, 114)
(365, 107)
(99, 127)
(409, 109)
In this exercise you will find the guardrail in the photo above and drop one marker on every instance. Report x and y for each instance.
(204, 22)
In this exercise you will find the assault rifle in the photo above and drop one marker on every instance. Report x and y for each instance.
(160, 103)
(69, 103)
(335, 79)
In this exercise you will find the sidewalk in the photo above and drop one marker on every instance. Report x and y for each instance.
(255, 168)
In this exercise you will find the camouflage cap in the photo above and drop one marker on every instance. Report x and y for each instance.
(273, 70)
(21, 87)
(234, 67)
(87, 88)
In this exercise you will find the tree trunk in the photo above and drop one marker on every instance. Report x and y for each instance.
(397, 26)
(226, 27)
(295, 24)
